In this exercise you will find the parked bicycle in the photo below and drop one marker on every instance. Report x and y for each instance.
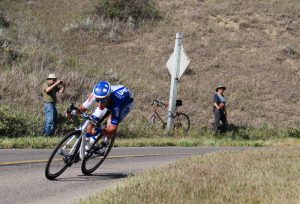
(72, 148)
(181, 120)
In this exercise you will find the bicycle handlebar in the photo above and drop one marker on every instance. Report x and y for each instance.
(159, 103)
(85, 115)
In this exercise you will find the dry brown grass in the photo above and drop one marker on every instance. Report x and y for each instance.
(250, 46)
(258, 176)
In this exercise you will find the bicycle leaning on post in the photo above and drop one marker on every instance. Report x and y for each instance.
(72, 148)
(181, 120)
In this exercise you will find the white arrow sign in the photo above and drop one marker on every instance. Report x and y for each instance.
(184, 63)
(176, 65)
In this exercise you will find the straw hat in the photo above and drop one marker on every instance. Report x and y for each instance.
(220, 86)
(51, 76)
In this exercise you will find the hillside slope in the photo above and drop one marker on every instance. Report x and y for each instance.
(252, 47)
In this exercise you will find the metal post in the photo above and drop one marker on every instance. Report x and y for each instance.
(174, 81)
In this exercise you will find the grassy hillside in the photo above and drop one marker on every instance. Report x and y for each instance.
(261, 176)
(253, 47)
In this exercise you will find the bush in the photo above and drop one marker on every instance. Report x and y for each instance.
(124, 9)
(264, 132)
(292, 132)
(22, 124)
(11, 124)
(65, 125)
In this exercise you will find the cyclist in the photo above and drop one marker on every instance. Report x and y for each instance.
(113, 100)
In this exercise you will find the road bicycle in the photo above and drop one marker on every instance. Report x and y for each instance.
(181, 120)
(72, 148)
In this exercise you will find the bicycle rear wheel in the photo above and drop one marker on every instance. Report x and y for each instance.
(63, 155)
(93, 159)
(181, 122)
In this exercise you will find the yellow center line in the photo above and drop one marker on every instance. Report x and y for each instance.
(9, 163)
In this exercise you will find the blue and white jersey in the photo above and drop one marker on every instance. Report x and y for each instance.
(121, 97)
(120, 105)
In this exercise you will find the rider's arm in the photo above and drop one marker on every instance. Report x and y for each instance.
(82, 108)
(87, 103)
(110, 129)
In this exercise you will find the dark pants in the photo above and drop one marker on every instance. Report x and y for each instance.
(220, 117)
(50, 119)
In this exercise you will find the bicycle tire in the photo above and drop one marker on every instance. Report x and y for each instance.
(182, 122)
(64, 157)
(88, 165)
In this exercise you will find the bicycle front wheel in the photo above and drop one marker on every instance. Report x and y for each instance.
(63, 155)
(152, 123)
(96, 155)
(181, 122)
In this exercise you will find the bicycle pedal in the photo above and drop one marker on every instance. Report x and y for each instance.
(66, 159)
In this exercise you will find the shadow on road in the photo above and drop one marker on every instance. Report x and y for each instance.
(93, 177)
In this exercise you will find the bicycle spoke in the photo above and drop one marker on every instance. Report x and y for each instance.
(181, 123)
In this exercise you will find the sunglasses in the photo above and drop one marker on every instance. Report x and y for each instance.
(101, 100)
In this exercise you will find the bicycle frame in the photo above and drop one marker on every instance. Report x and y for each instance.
(82, 128)
(156, 115)
(156, 104)
(73, 148)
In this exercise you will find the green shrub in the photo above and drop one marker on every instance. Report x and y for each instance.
(124, 9)
(11, 124)
(65, 125)
(264, 132)
(292, 132)
(23, 124)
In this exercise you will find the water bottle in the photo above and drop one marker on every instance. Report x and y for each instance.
(90, 140)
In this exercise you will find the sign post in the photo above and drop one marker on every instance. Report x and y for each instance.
(176, 65)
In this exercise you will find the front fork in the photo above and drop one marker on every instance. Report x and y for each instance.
(84, 140)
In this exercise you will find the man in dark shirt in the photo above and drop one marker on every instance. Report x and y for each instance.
(49, 89)
(220, 109)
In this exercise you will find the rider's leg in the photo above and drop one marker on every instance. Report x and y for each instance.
(112, 123)
(108, 125)
(92, 131)
(98, 115)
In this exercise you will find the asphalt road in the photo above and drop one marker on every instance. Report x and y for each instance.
(22, 177)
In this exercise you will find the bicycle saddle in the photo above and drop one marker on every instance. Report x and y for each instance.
(178, 102)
